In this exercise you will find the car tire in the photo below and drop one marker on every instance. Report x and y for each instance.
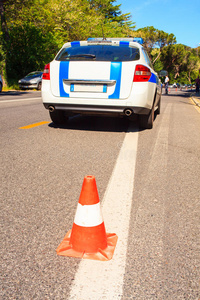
(146, 121)
(158, 108)
(39, 86)
(0, 87)
(58, 117)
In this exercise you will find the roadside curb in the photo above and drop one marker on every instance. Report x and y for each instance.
(196, 100)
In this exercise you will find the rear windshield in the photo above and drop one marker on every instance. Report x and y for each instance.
(99, 53)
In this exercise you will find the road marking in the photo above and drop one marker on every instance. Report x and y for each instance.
(149, 223)
(18, 100)
(34, 125)
(104, 280)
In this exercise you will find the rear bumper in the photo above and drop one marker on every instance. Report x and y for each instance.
(140, 101)
(28, 86)
(97, 109)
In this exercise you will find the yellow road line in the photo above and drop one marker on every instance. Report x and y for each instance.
(34, 125)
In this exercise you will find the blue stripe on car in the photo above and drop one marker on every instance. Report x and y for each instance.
(63, 74)
(115, 74)
(152, 78)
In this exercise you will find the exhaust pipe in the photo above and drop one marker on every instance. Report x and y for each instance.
(51, 108)
(128, 112)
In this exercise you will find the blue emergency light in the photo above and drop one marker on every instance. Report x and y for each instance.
(138, 40)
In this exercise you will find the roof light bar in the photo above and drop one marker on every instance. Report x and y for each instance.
(136, 39)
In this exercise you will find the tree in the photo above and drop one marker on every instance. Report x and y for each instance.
(181, 62)
(112, 22)
(155, 39)
(34, 30)
(192, 65)
(28, 50)
(4, 27)
(110, 12)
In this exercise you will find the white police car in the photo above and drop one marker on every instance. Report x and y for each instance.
(102, 76)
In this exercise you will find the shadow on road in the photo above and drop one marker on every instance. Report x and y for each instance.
(94, 123)
(182, 95)
(14, 93)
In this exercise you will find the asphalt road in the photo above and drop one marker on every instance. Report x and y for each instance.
(42, 170)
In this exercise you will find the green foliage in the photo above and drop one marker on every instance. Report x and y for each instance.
(154, 38)
(110, 12)
(181, 63)
(2, 54)
(29, 50)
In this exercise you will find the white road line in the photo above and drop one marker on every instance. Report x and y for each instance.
(18, 100)
(104, 280)
(148, 227)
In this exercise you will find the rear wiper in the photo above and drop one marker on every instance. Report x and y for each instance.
(92, 56)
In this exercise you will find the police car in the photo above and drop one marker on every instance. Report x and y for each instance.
(104, 77)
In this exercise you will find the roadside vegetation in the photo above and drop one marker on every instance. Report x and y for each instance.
(32, 32)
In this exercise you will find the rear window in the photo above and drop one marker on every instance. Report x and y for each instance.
(147, 59)
(99, 53)
(34, 74)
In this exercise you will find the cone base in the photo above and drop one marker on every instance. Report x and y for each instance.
(66, 249)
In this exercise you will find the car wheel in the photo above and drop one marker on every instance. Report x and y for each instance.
(146, 121)
(39, 86)
(58, 117)
(0, 87)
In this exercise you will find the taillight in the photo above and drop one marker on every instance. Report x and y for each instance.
(46, 73)
(142, 73)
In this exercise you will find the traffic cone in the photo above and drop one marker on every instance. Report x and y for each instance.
(88, 237)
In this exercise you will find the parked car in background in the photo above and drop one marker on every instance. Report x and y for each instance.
(112, 76)
(1, 83)
(174, 85)
(183, 86)
(31, 81)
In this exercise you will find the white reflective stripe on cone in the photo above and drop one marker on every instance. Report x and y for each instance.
(88, 215)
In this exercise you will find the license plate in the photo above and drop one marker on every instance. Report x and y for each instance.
(91, 88)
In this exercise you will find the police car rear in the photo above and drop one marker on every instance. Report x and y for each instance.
(102, 77)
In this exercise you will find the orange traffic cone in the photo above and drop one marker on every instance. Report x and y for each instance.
(88, 238)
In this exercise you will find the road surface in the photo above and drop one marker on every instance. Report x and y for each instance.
(148, 185)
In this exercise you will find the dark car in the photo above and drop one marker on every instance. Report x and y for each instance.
(31, 81)
(1, 83)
